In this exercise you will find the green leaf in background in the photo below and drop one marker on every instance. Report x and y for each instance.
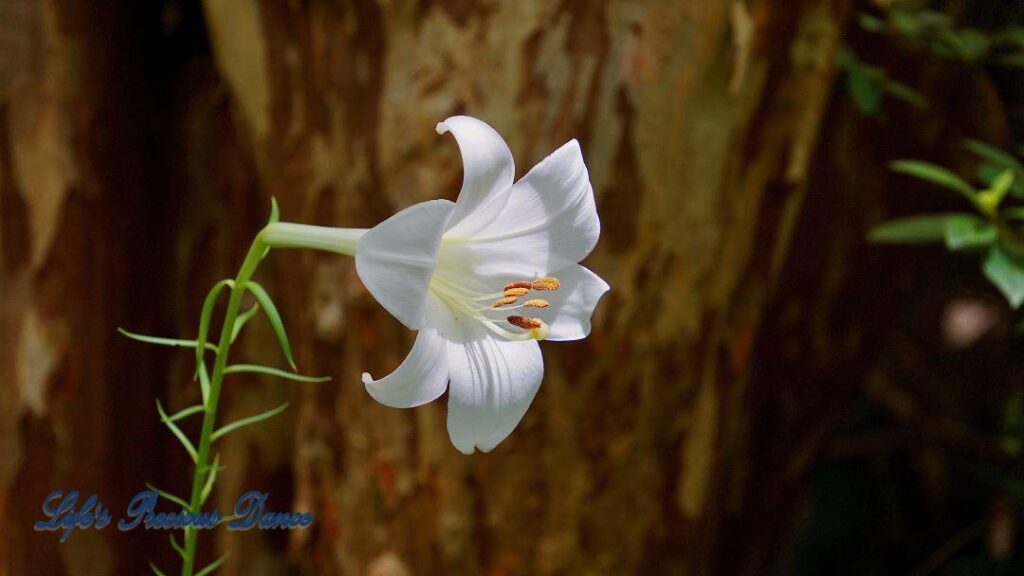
(1012, 35)
(905, 93)
(966, 231)
(936, 175)
(988, 174)
(1012, 434)
(994, 155)
(1006, 274)
(865, 90)
(990, 199)
(156, 570)
(275, 319)
(997, 161)
(1011, 60)
(923, 229)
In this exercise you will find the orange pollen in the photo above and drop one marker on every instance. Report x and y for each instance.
(505, 301)
(518, 284)
(538, 303)
(546, 283)
(525, 322)
(516, 292)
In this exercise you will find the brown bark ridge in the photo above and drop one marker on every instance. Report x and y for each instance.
(697, 120)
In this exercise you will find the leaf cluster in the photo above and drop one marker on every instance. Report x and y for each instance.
(994, 229)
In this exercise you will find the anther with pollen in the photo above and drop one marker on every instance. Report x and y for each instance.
(545, 283)
(536, 303)
(525, 322)
(516, 292)
(518, 284)
(505, 301)
(538, 329)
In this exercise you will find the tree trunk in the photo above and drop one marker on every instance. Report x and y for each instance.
(142, 147)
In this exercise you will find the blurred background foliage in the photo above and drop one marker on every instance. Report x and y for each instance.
(810, 362)
(926, 474)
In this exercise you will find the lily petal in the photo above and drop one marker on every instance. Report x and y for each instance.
(493, 382)
(423, 375)
(573, 303)
(396, 258)
(488, 172)
(550, 222)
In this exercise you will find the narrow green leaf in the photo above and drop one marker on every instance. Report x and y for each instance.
(163, 341)
(1012, 35)
(205, 317)
(186, 412)
(865, 90)
(1011, 60)
(178, 547)
(1013, 424)
(212, 565)
(991, 198)
(966, 231)
(242, 319)
(240, 368)
(211, 477)
(1006, 274)
(988, 173)
(247, 421)
(177, 432)
(275, 212)
(204, 382)
(870, 23)
(275, 216)
(156, 570)
(988, 152)
(275, 319)
(168, 496)
(906, 94)
(936, 175)
(922, 229)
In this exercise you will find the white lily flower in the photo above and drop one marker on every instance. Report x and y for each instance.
(481, 279)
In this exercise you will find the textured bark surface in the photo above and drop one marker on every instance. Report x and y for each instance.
(142, 144)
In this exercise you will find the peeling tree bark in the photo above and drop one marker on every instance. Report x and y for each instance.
(698, 121)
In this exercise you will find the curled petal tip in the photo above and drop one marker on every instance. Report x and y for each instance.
(367, 379)
(441, 127)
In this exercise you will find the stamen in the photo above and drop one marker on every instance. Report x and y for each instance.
(537, 303)
(505, 301)
(516, 292)
(518, 284)
(546, 283)
(525, 322)
(538, 329)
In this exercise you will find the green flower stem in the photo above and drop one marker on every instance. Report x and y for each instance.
(252, 260)
(289, 235)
